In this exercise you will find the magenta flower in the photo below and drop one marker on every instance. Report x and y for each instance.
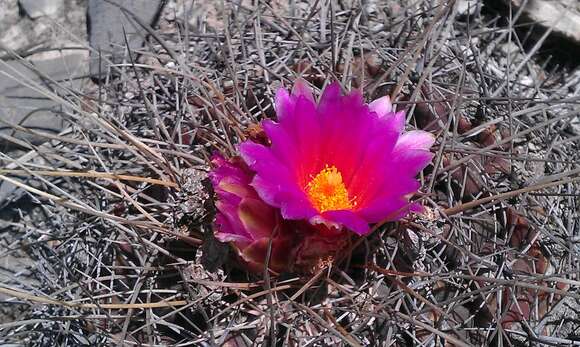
(338, 162)
(323, 170)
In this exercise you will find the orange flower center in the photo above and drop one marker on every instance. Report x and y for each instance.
(327, 191)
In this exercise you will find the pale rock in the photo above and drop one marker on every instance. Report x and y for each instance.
(561, 15)
(39, 8)
(467, 7)
(109, 25)
(22, 105)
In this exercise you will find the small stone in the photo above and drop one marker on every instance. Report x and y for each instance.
(467, 7)
(527, 81)
(533, 147)
(509, 48)
(39, 8)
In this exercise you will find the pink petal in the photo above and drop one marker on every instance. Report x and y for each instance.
(307, 136)
(284, 104)
(395, 121)
(300, 129)
(222, 236)
(381, 106)
(387, 208)
(257, 218)
(415, 139)
(349, 219)
(370, 174)
(283, 145)
(409, 163)
(295, 205)
(268, 190)
(397, 186)
(274, 184)
(265, 163)
(301, 88)
(227, 221)
(234, 188)
(345, 135)
(330, 98)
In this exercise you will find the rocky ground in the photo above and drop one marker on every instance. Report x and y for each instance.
(498, 83)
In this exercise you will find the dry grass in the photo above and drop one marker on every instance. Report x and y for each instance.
(112, 222)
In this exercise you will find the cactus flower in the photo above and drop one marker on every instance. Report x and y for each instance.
(323, 169)
(337, 162)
